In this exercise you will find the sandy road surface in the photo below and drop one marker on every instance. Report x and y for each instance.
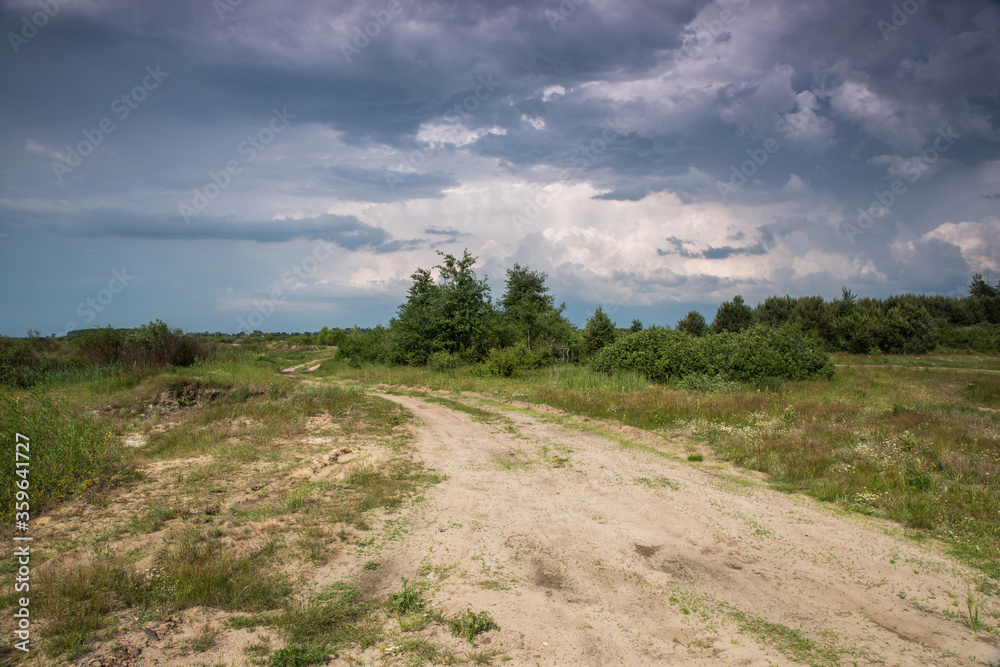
(589, 551)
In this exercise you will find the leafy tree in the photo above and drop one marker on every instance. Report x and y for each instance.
(600, 330)
(693, 324)
(981, 289)
(636, 326)
(733, 316)
(529, 309)
(452, 315)
(774, 311)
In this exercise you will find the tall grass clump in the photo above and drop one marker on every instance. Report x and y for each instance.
(67, 453)
(755, 354)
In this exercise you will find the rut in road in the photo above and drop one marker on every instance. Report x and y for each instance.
(592, 543)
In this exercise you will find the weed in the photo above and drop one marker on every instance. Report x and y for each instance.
(470, 625)
(300, 656)
(371, 565)
(408, 600)
(695, 458)
(205, 639)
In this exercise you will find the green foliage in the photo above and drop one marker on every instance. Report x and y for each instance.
(470, 625)
(636, 326)
(980, 338)
(452, 315)
(693, 324)
(903, 327)
(733, 316)
(300, 656)
(330, 337)
(150, 345)
(529, 311)
(378, 345)
(600, 331)
(752, 355)
(407, 600)
(26, 361)
(508, 361)
(68, 454)
(444, 361)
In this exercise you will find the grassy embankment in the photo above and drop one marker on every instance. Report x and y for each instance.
(206, 487)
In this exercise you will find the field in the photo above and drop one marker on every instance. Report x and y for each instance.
(278, 507)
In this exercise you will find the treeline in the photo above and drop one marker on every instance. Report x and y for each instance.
(451, 321)
(26, 361)
(904, 324)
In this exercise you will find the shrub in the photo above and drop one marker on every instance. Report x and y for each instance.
(376, 345)
(753, 355)
(444, 361)
(508, 361)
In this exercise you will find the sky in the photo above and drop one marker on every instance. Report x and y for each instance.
(257, 164)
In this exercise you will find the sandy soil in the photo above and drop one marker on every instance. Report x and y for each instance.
(595, 544)
(591, 543)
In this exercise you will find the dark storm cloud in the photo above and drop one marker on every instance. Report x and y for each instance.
(680, 247)
(344, 230)
(358, 184)
(637, 99)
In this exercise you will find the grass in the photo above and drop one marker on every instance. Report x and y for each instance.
(60, 453)
(789, 641)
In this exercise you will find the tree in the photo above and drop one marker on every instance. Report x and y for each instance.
(693, 324)
(636, 326)
(733, 316)
(600, 330)
(452, 315)
(774, 311)
(529, 309)
(981, 289)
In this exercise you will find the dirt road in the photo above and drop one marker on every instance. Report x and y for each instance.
(595, 545)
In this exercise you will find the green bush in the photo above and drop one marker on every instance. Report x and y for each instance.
(507, 362)
(979, 338)
(444, 361)
(755, 354)
(376, 346)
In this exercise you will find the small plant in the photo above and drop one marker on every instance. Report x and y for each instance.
(205, 639)
(409, 599)
(694, 458)
(470, 625)
(299, 656)
(973, 612)
(371, 565)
